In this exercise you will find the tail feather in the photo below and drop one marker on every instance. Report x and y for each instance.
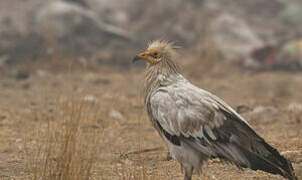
(273, 162)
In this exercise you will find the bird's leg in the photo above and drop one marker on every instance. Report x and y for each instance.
(188, 173)
(169, 157)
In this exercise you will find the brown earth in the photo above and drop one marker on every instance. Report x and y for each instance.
(113, 128)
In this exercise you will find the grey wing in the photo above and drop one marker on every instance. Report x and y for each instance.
(206, 123)
(185, 116)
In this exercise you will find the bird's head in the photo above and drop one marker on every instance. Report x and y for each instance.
(156, 52)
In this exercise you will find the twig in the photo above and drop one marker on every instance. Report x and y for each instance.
(140, 151)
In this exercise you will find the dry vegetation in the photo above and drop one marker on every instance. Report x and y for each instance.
(66, 151)
(88, 122)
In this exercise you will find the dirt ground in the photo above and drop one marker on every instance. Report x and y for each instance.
(124, 144)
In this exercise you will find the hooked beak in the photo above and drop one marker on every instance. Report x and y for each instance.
(136, 58)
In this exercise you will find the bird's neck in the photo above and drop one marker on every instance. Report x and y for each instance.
(162, 74)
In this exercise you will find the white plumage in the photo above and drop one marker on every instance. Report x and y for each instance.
(197, 125)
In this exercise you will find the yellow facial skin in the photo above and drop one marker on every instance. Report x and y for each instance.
(152, 56)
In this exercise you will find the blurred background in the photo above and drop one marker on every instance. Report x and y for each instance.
(256, 34)
(70, 98)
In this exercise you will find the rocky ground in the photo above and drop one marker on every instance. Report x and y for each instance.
(113, 132)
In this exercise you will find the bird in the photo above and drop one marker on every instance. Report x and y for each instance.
(195, 124)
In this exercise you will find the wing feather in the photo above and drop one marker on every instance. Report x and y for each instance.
(187, 114)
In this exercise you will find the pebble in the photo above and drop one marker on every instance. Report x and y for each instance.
(116, 115)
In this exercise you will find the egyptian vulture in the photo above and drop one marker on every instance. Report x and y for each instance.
(197, 125)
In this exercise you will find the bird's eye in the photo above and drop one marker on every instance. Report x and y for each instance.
(154, 55)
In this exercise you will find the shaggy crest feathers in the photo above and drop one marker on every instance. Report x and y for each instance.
(165, 47)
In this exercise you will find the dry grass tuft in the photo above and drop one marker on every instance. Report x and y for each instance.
(66, 150)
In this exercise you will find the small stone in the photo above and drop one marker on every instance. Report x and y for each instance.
(42, 73)
(2, 117)
(90, 98)
(22, 75)
(294, 107)
(284, 153)
(116, 115)
(262, 114)
(20, 148)
(243, 109)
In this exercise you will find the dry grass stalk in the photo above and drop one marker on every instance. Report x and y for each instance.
(65, 152)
